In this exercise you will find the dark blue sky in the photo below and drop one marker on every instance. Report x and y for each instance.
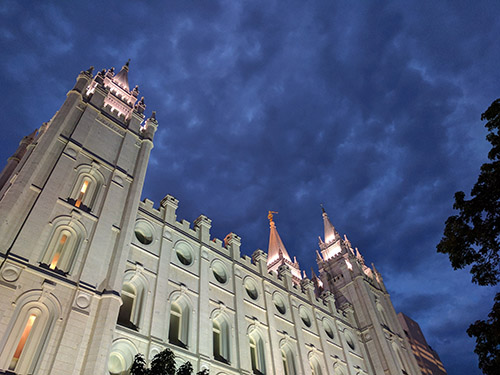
(371, 108)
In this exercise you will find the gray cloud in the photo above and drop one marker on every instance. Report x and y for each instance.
(372, 110)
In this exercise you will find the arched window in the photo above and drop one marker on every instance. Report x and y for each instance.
(86, 187)
(315, 367)
(257, 353)
(178, 332)
(221, 344)
(383, 315)
(288, 361)
(63, 245)
(28, 334)
(400, 360)
(133, 299)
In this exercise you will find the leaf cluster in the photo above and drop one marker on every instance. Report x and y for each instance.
(472, 238)
(487, 335)
(163, 363)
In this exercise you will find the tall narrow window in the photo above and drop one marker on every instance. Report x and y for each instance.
(58, 251)
(257, 354)
(179, 323)
(175, 324)
(134, 291)
(86, 187)
(315, 367)
(220, 330)
(22, 342)
(82, 192)
(28, 332)
(288, 362)
(127, 309)
(63, 245)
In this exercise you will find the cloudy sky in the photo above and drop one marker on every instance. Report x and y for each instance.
(371, 108)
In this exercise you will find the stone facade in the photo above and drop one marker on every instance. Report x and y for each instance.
(90, 275)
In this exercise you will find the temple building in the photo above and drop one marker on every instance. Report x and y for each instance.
(90, 275)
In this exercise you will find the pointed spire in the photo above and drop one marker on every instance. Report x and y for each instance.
(331, 234)
(360, 257)
(122, 77)
(313, 274)
(276, 249)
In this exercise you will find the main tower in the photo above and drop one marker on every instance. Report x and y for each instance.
(361, 290)
(68, 200)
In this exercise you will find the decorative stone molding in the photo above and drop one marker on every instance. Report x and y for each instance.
(11, 272)
(83, 300)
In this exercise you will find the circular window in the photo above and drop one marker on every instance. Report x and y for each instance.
(279, 303)
(116, 363)
(184, 253)
(251, 289)
(350, 340)
(328, 328)
(305, 317)
(143, 232)
(121, 357)
(219, 271)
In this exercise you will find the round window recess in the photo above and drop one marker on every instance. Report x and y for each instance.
(143, 232)
(350, 340)
(280, 304)
(116, 364)
(251, 289)
(305, 317)
(220, 273)
(184, 253)
(328, 329)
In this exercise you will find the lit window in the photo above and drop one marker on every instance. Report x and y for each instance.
(86, 187)
(22, 342)
(82, 192)
(62, 247)
(58, 251)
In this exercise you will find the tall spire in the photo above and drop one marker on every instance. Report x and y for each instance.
(276, 249)
(331, 234)
(277, 254)
(122, 77)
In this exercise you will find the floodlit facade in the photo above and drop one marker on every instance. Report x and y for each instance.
(91, 276)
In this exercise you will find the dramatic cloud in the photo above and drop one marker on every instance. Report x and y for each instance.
(370, 108)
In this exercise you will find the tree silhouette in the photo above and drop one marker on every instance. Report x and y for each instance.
(139, 366)
(163, 363)
(472, 238)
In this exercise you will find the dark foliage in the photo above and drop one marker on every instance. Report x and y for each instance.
(185, 369)
(472, 238)
(487, 334)
(163, 364)
(139, 366)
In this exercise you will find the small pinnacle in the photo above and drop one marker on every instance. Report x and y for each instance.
(322, 208)
(153, 115)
